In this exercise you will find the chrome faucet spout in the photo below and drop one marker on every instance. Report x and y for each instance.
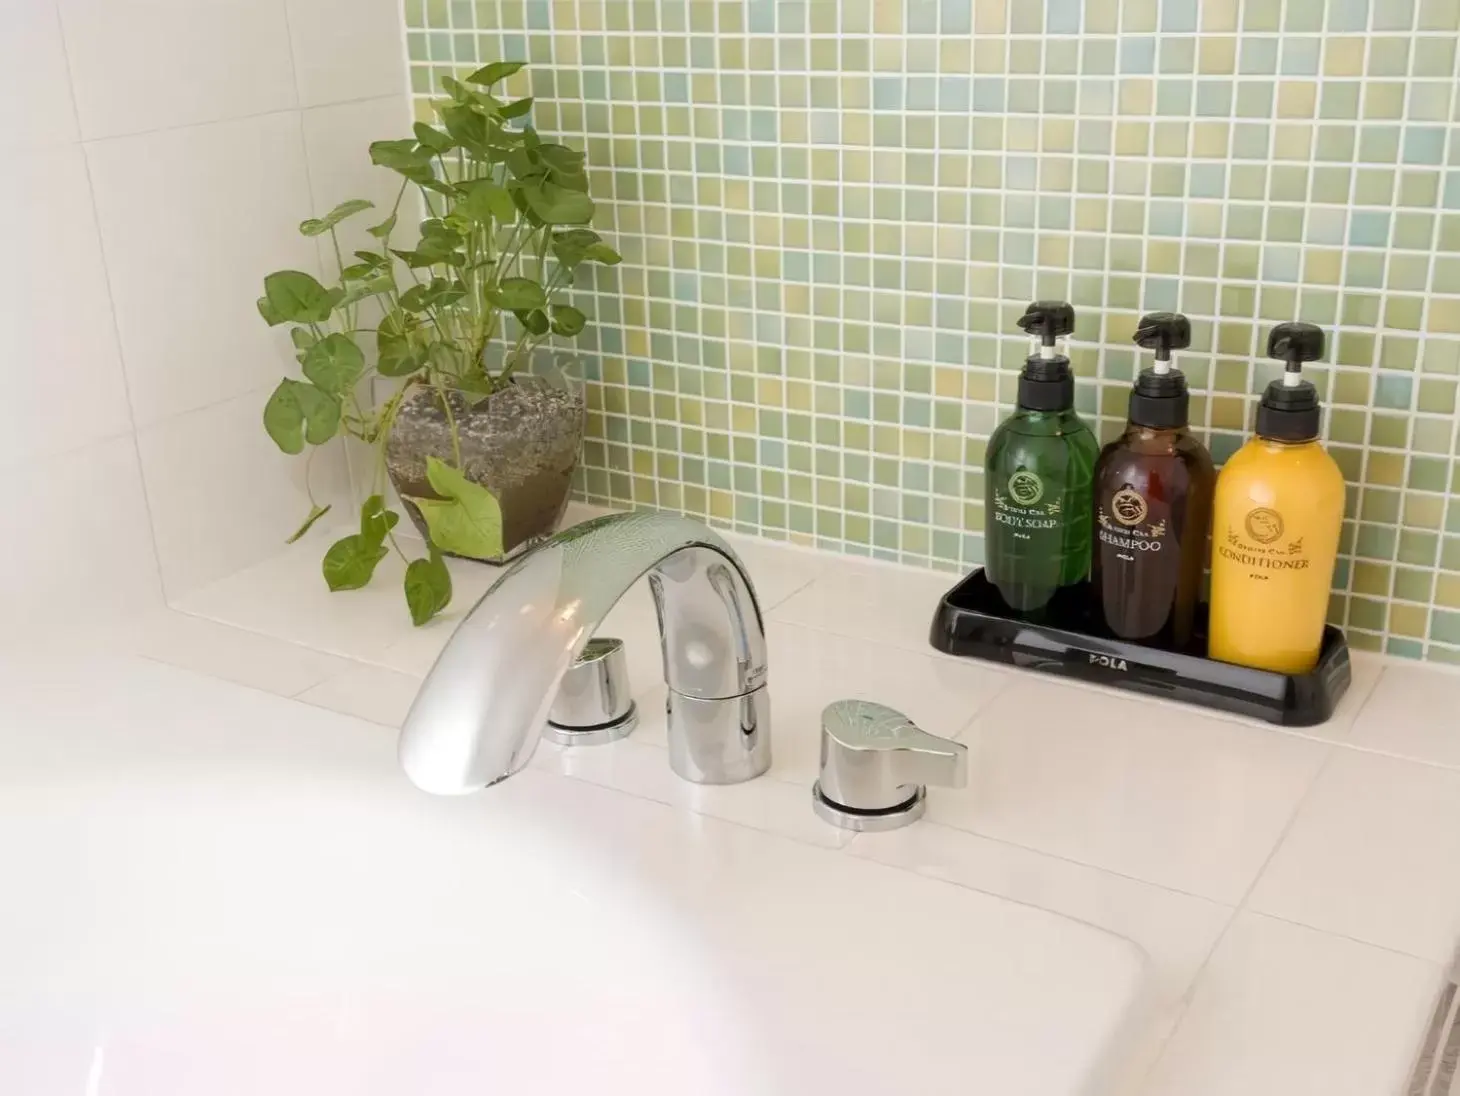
(480, 712)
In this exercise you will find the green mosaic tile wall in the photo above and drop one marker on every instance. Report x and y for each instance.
(831, 212)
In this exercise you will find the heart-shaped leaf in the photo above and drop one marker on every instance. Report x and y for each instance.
(383, 229)
(319, 226)
(351, 561)
(485, 202)
(428, 587)
(269, 312)
(433, 138)
(516, 108)
(298, 412)
(496, 71)
(297, 297)
(517, 294)
(467, 520)
(334, 364)
(557, 205)
(567, 320)
(376, 521)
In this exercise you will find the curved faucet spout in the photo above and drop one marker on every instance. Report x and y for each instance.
(479, 714)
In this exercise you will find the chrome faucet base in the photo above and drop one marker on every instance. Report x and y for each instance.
(723, 741)
(873, 821)
(593, 736)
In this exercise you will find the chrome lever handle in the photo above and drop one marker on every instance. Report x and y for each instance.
(876, 763)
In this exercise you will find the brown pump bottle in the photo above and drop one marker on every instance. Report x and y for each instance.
(1153, 502)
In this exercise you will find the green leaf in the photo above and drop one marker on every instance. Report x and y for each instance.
(428, 587)
(376, 521)
(467, 126)
(574, 245)
(368, 287)
(433, 138)
(562, 158)
(405, 157)
(269, 312)
(523, 165)
(351, 561)
(467, 520)
(302, 338)
(299, 412)
(496, 71)
(567, 320)
(446, 358)
(535, 321)
(334, 364)
(516, 109)
(517, 294)
(297, 297)
(400, 355)
(486, 202)
(319, 226)
(383, 229)
(557, 205)
(315, 513)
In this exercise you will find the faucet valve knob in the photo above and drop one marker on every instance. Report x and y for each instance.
(594, 704)
(876, 765)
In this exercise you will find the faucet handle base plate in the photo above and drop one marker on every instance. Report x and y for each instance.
(592, 736)
(869, 821)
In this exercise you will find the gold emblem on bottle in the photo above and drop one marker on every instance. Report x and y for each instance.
(1128, 506)
(1026, 487)
(1263, 525)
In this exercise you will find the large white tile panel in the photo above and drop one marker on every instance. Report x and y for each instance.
(1176, 930)
(140, 65)
(1414, 712)
(337, 144)
(1191, 803)
(1284, 1009)
(74, 542)
(1373, 854)
(232, 654)
(35, 88)
(347, 49)
(191, 220)
(223, 496)
(61, 371)
(369, 692)
(879, 602)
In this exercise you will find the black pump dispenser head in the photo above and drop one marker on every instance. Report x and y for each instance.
(1289, 410)
(1160, 399)
(1045, 382)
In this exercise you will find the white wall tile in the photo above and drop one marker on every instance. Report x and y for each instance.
(347, 49)
(35, 87)
(337, 143)
(1278, 1002)
(140, 65)
(1373, 855)
(1190, 803)
(1413, 714)
(60, 370)
(74, 542)
(223, 496)
(191, 221)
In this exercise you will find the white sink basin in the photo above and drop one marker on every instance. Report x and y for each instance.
(209, 891)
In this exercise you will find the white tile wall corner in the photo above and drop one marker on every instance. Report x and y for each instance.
(191, 220)
(346, 49)
(35, 87)
(61, 369)
(141, 65)
(205, 470)
(74, 539)
(164, 173)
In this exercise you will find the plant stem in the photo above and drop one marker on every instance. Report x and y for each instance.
(445, 399)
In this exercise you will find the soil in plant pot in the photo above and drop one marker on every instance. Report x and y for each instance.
(521, 444)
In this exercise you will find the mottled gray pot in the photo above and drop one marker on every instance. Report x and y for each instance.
(521, 444)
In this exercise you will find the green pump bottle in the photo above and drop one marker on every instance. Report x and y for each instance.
(1037, 511)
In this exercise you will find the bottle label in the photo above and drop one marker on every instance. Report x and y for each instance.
(1022, 505)
(1260, 544)
(1124, 525)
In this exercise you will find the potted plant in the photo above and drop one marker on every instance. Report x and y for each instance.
(480, 448)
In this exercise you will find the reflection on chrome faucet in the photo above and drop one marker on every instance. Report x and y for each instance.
(480, 712)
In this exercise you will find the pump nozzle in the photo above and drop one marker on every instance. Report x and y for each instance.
(1163, 332)
(1295, 343)
(1047, 321)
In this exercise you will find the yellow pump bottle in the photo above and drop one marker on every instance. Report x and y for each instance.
(1276, 520)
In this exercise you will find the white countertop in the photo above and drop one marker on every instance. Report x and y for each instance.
(1297, 891)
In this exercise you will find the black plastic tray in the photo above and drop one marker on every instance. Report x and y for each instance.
(972, 620)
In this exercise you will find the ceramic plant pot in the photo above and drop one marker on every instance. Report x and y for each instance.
(521, 443)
